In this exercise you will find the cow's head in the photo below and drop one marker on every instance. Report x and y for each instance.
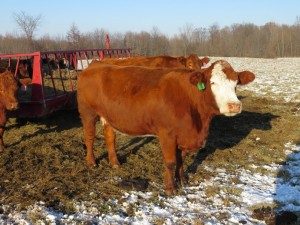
(193, 62)
(23, 72)
(8, 91)
(221, 80)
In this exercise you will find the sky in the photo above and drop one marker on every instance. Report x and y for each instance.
(169, 16)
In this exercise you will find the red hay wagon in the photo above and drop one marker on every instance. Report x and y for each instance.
(53, 78)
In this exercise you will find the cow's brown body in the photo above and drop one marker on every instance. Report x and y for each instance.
(8, 100)
(144, 101)
(190, 62)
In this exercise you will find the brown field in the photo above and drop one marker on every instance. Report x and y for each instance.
(44, 158)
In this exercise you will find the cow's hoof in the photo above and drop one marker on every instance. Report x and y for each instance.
(116, 166)
(114, 163)
(91, 161)
(170, 192)
(91, 164)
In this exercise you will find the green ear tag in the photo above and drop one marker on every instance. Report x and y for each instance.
(200, 86)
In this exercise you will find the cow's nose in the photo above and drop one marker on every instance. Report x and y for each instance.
(235, 107)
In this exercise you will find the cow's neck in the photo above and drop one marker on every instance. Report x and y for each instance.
(2, 105)
(206, 105)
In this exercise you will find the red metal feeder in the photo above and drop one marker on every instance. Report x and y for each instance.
(53, 78)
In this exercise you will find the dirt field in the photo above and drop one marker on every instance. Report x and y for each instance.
(44, 158)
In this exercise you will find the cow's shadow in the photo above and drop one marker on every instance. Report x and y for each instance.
(227, 132)
(287, 179)
(136, 143)
(55, 122)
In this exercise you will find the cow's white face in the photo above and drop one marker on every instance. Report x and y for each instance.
(223, 90)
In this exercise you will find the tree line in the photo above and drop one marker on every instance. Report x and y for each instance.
(238, 40)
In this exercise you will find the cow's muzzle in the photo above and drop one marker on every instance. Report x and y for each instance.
(234, 107)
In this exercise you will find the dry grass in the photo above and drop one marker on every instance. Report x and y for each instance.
(45, 158)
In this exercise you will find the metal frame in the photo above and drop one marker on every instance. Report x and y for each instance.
(40, 104)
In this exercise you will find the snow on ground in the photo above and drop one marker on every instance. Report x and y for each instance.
(281, 77)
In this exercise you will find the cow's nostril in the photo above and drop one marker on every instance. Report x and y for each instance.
(234, 107)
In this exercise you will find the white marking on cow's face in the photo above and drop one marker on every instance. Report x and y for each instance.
(223, 90)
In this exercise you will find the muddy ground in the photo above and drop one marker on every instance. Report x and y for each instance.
(44, 158)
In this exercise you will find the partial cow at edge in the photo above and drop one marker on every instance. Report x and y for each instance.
(191, 62)
(8, 100)
(176, 105)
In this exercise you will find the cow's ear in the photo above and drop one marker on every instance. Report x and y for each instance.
(205, 60)
(197, 77)
(246, 77)
(181, 60)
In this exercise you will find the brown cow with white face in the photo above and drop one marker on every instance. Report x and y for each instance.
(190, 62)
(8, 100)
(176, 105)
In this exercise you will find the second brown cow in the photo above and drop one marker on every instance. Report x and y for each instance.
(190, 62)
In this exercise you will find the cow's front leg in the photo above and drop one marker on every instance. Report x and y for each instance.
(179, 173)
(110, 139)
(168, 148)
(3, 120)
(1, 139)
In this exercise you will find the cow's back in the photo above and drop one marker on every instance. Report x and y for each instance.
(130, 97)
(151, 61)
(120, 95)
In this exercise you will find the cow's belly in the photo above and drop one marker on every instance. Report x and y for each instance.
(191, 142)
(130, 125)
(147, 120)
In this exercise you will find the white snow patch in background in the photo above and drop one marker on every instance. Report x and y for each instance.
(277, 76)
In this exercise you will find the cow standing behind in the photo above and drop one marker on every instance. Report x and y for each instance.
(24, 75)
(8, 100)
(176, 105)
(191, 62)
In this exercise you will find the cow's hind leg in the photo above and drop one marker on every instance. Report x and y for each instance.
(89, 128)
(3, 120)
(110, 138)
(179, 173)
(1, 139)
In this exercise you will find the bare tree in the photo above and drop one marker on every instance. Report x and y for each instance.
(27, 23)
(186, 34)
(74, 36)
(143, 40)
(96, 39)
(239, 40)
(159, 42)
(297, 23)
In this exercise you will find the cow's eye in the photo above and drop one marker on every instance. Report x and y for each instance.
(212, 83)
